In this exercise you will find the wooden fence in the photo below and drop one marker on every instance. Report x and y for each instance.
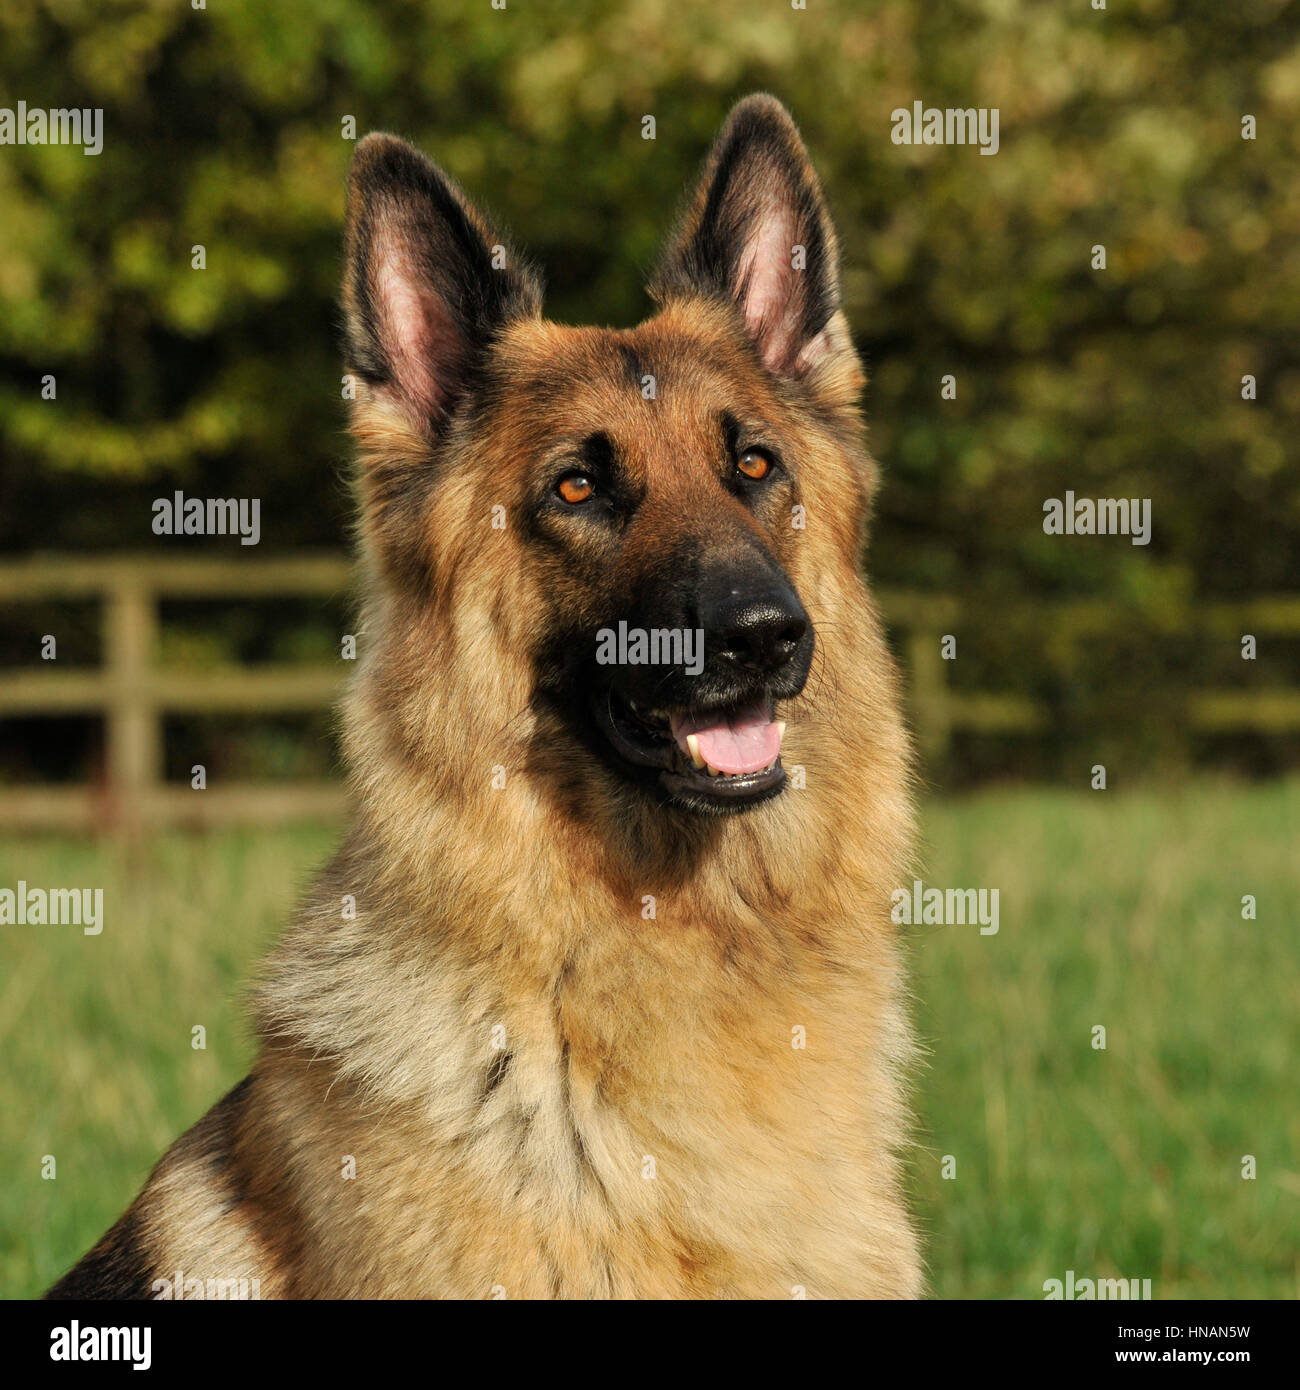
(133, 693)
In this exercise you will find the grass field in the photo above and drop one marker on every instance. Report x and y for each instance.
(1120, 910)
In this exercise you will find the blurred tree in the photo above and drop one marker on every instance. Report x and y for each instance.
(1122, 128)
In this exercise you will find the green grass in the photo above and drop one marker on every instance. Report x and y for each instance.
(1116, 909)
(1123, 911)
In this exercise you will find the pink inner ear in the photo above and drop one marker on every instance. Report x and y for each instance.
(416, 331)
(770, 288)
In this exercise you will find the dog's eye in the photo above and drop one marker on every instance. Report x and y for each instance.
(575, 487)
(754, 464)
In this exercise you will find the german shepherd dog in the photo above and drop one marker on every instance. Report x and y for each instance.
(600, 997)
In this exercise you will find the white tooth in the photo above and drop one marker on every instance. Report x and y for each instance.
(713, 771)
(693, 743)
(780, 728)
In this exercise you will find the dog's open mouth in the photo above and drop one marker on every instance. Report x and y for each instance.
(721, 758)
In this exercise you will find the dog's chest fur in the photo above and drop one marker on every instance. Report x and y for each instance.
(602, 1150)
(673, 1119)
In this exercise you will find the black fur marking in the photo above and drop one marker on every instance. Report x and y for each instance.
(118, 1267)
(633, 365)
(230, 1175)
(496, 1074)
(598, 453)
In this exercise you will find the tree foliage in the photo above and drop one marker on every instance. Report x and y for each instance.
(1120, 128)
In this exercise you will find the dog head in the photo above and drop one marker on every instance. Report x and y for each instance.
(612, 549)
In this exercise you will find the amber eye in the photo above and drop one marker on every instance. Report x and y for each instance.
(577, 487)
(754, 465)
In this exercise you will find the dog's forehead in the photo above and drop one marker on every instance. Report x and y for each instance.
(674, 372)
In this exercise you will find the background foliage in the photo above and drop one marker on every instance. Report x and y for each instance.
(1119, 127)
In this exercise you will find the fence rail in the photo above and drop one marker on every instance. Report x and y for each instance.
(133, 693)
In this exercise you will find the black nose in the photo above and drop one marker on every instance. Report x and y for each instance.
(757, 632)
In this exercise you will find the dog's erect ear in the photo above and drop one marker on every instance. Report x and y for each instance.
(757, 232)
(426, 282)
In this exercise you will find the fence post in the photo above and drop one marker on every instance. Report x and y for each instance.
(134, 746)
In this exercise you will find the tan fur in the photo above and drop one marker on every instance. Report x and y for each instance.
(654, 1133)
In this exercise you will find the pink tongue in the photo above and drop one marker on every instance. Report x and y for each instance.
(746, 742)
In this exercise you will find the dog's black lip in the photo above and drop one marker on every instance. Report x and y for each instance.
(684, 782)
(751, 787)
(652, 752)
